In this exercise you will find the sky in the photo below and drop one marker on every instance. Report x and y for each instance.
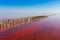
(28, 7)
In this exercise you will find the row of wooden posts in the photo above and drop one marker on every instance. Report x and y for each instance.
(9, 24)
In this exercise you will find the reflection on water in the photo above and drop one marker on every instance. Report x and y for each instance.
(13, 23)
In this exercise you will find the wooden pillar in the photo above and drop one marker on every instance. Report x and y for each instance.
(14, 24)
(25, 20)
(1, 26)
(29, 20)
(21, 21)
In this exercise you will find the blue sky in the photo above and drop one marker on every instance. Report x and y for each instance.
(24, 2)
(29, 7)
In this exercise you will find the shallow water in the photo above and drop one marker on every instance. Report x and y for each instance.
(46, 29)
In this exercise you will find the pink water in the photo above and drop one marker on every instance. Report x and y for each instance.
(46, 29)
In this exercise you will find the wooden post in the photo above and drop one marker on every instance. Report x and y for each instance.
(1, 26)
